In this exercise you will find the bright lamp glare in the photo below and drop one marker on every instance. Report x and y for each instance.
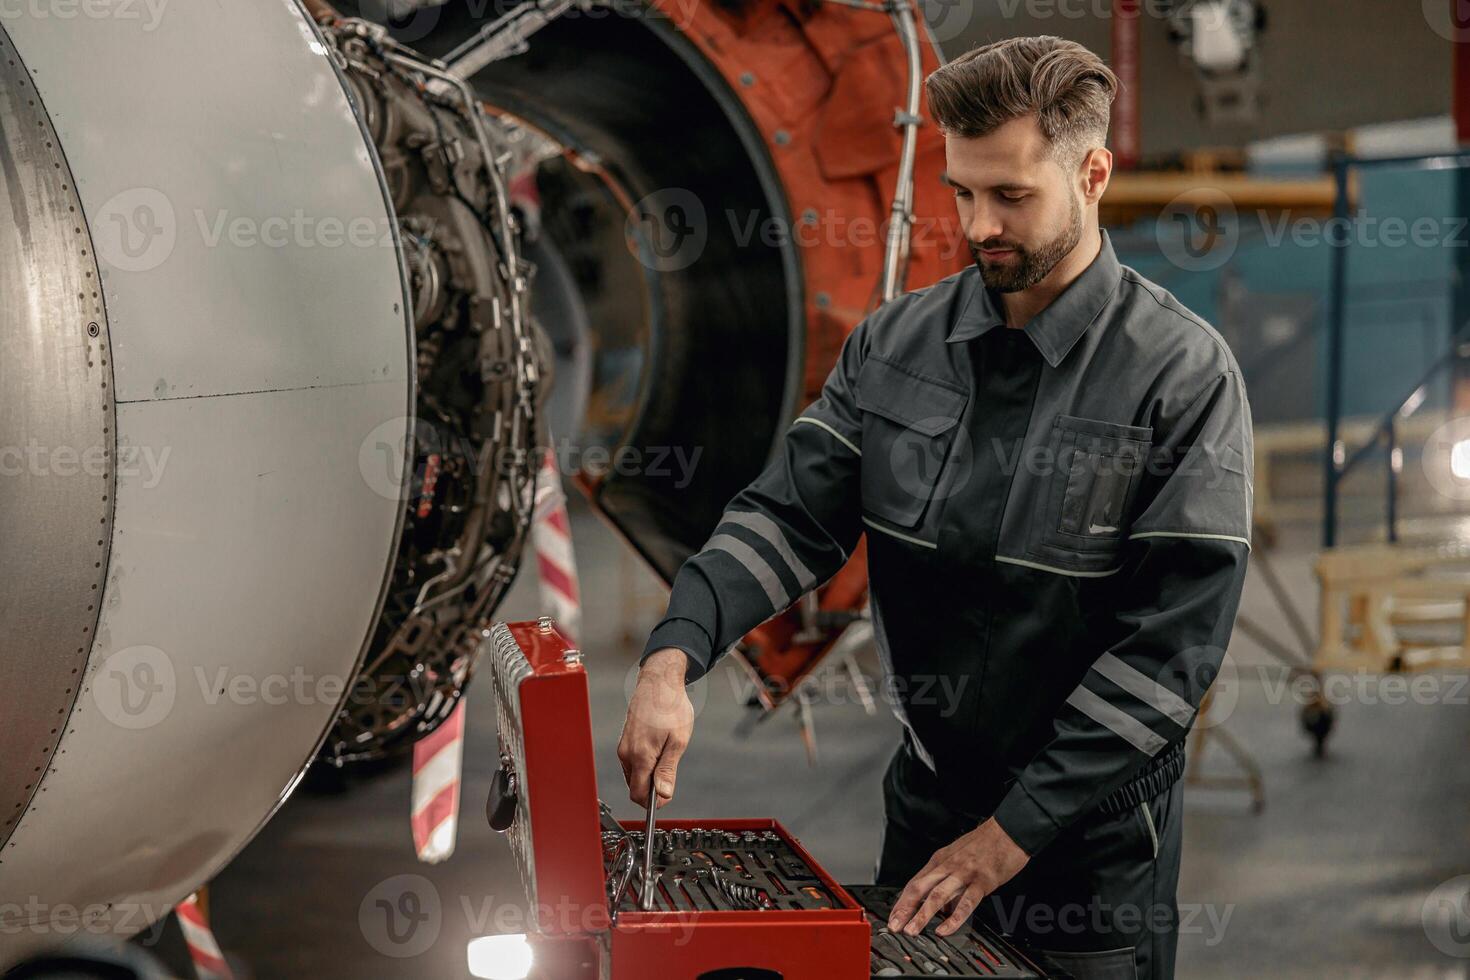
(500, 957)
(1460, 460)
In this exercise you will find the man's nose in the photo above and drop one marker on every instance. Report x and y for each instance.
(984, 226)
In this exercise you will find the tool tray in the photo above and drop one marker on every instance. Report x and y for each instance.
(975, 951)
(733, 899)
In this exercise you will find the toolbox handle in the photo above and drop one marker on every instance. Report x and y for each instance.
(740, 973)
(500, 807)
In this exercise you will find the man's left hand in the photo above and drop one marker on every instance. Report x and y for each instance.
(960, 875)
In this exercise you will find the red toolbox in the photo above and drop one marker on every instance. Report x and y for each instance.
(733, 899)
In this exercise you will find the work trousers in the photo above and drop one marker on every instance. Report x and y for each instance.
(1099, 900)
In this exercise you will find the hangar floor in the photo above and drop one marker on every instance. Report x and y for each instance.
(1330, 880)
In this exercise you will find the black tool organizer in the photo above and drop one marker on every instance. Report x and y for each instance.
(974, 951)
(699, 870)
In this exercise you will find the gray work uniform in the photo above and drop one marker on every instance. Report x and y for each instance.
(1058, 523)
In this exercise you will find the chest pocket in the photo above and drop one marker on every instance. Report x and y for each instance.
(1084, 504)
(909, 427)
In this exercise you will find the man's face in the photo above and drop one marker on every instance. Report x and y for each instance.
(1019, 209)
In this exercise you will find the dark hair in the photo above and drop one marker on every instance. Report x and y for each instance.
(1063, 85)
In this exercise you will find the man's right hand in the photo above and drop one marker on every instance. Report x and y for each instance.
(658, 728)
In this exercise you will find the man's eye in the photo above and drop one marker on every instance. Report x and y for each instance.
(1013, 198)
(961, 192)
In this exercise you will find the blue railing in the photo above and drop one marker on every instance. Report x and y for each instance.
(1338, 464)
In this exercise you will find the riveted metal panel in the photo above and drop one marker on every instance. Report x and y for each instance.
(56, 440)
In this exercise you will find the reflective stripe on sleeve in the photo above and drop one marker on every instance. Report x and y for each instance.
(1121, 724)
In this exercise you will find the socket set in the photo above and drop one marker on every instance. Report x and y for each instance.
(974, 951)
(699, 869)
(727, 898)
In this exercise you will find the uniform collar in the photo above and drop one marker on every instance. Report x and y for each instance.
(1056, 329)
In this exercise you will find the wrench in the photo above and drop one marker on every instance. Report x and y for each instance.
(645, 895)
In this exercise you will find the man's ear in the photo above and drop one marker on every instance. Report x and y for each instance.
(1095, 173)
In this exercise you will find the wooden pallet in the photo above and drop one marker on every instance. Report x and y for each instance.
(1375, 597)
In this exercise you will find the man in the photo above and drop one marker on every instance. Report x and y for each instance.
(1052, 460)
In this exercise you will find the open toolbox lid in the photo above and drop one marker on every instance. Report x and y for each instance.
(548, 769)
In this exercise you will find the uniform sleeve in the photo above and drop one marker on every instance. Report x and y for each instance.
(780, 537)
(1183, 571)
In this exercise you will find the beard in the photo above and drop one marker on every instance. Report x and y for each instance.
(1028, 266)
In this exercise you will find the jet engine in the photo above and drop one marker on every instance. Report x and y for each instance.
(272, 382)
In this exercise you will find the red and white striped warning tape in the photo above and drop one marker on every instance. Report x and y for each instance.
(556, 563)
(209, 962)
(438, 760)
(437, 763)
